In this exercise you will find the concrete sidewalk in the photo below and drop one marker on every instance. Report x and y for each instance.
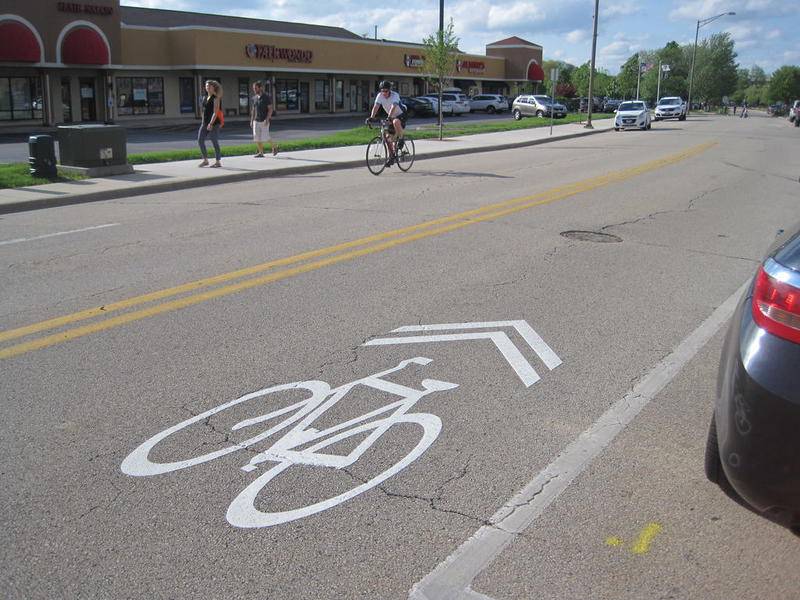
(162, 177)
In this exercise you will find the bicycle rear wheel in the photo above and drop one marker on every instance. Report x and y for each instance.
(377, 154)
(405, 156)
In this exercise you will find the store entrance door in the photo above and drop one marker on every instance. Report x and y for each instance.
(304, 97)
(66, 100)
(88, 101)
(354, 97)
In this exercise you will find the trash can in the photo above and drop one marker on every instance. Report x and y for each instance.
(92, 145)
(42, 156)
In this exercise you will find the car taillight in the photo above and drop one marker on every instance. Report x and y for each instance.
(776, 303)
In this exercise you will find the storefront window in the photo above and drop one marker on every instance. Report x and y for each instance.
(244, 96)
(20, 98)
(322, 94)
(286, 94)
(339, 94)
(186, 91)
(140, 96)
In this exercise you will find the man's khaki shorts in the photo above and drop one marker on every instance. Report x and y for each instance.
(261, 131)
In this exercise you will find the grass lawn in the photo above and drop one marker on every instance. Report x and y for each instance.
(359, 136)
(17, 174)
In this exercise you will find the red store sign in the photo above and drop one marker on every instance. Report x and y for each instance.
(273, 53)
(471, 66)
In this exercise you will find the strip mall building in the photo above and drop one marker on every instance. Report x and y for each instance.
(76, 62)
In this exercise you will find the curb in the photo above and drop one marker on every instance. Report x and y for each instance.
(185, 184)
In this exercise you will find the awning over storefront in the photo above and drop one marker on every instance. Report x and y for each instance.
(535, 72)
(84, 46)
(464, 84)
(18, 43)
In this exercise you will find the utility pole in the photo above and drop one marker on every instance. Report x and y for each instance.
(658, 87)
(700, 23)
(591, 67)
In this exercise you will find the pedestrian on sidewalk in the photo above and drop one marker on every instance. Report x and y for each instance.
(260, 117)
(212, 116)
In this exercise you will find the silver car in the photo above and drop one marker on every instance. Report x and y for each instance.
(537, 106)
(491, 103)
(671, 107)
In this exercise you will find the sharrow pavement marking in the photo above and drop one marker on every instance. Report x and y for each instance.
(513, 356)
(49, 235)
(451, 580)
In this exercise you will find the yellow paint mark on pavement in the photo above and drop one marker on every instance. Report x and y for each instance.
(197, 291)
(642, 545)
(614, 541)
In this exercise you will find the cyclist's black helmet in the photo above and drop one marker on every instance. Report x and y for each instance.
(385, 85)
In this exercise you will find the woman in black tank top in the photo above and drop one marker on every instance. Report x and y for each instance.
(210, 126)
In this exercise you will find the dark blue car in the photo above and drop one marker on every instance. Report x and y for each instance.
(753, 449)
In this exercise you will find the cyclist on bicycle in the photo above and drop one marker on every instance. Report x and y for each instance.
(390, 101)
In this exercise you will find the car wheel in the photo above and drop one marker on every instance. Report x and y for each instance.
(713, 462)
(649, 125)
(411, 113)
(491, 109)
(517, 115)
(539, 114)
(682, 118)
(617, 128)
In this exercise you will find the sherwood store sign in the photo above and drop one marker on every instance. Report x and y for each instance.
(273, 53)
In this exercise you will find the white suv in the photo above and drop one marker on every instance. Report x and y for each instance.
(455, 104)
(491, 103)
(671, 107)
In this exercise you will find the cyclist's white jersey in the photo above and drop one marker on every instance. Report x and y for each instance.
(391, 104)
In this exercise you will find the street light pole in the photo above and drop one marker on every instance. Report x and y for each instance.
(700, 23)
(591, 68)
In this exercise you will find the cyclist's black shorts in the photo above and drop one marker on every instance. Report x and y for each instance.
(403, 116)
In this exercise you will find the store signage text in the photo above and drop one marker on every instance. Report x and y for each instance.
(273, 53)
(89, 9)
(471, 66)
(413, 60)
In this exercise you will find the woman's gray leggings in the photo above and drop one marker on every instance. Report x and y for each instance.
(214, 135)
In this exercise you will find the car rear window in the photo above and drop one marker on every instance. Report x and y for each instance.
(461, 97)
(789, 254)
(448, 97)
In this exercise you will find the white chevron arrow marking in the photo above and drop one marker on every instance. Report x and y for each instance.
(518, 362)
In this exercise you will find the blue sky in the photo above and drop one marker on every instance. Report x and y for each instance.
(766, 32)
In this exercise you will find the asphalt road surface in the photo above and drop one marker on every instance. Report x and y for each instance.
(206, 394)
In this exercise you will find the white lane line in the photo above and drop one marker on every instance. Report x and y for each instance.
(451, 580)
(49, 235)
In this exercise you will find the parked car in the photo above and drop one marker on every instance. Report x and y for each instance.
(537, 106)
(777, 109)
(794, 113)
(417, 106)
(610, 105)
(753, 446)
(455, 104)
(632, 114)
(583, 104)
(434, 100)
(491, 103)
(671, 107)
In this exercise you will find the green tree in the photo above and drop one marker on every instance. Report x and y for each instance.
(439, 60)
(784, 86)
(626, 79)
(715, 71)
(758, 76)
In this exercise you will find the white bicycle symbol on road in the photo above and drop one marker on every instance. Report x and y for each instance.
(294, 423)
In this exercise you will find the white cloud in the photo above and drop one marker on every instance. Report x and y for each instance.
(577, 35)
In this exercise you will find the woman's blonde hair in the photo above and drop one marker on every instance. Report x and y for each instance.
(217, 87)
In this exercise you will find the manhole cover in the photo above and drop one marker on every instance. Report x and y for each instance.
(591, 236)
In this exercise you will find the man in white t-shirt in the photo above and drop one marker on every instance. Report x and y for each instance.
(390, 102)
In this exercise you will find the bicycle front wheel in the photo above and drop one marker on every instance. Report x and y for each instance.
(405, 156)
(377, 154)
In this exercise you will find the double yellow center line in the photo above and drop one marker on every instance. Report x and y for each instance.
(201, 290)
